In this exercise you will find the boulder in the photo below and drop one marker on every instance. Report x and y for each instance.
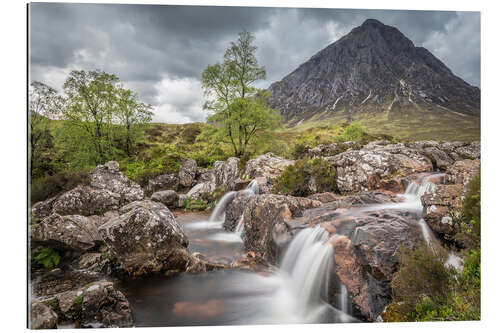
(440, 159)
(69, 233)
(82, 200)
(163, 182)
(42, 316)
(470, 151)
(146, 238)
(205, 175)
(263, 215)
(331, 149)
(441, 206)
(169, 198)
(461, 172)
(234, 210)
(109, 177)
(187, 172)
(268, 165)
(98, 304)
(226, 172)
(362, 170)
(201, 191)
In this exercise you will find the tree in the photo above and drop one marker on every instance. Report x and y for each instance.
(44, 105)
(132, 114)
(91, 106)
(239, 109)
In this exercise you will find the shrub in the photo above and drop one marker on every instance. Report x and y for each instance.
(306, 177)
(469, 234)
(195, 204)
(299, 149)
(422, 274)
(46, 257)
(49, 186)
(353, 132)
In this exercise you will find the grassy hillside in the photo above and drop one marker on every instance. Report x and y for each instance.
(408, 124)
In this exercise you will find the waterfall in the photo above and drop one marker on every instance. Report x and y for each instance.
(307, 262)
(344, 299)
(251, 189)
(219, 212)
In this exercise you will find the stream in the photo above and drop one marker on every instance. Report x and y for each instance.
(293, 293)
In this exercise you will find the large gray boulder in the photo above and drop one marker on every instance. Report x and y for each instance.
(145, 238)
(74, 233)
(363, 170)
(226, 172)
(187, 172)
(109, 177)
(109, 189)
(268, 165)
(201, 191)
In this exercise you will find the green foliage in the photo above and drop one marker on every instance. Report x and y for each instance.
(240, 111)
(47, 258)
(422, 273)
(353, 132)
(469, 223)
(306, 177)
(49, 186)
(78, 300)
(195, 204)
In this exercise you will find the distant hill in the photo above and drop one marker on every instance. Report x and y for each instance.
(376, 75)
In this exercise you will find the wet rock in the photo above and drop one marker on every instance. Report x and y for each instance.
(187, 172)
(42, 316)
(441, 206)
(226, 172)
(145, 238)
(268, 165)
(163, 182)
(240, 184)
(70, 232)
(362, 170)
(234, 210)
(262, 214)
(109, 177)
(97, 303)
(169, 198)
(365, 249)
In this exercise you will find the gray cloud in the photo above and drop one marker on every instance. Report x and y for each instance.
(160, 51)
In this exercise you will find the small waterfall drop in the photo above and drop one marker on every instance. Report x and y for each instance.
(219, 212)
(307, 262)
(344, 299)
(240, 227)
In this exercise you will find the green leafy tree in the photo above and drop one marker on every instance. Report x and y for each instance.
(44, 104)
(91, 106)
(239, 109)
(133, 115)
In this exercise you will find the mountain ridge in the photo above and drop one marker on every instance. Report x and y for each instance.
(374, 70)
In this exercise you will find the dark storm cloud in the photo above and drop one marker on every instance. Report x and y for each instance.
(160, 51)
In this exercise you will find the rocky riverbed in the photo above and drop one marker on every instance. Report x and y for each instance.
(131, 256)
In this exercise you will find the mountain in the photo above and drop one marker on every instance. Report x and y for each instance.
(377, 76)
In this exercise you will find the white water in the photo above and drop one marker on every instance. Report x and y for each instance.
(218, 216)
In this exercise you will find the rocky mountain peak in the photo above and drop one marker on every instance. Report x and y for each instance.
(373, 69)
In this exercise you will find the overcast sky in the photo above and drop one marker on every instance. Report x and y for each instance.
(160, 51)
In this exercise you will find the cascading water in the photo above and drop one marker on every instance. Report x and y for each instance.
(219, 211)
(307, 263)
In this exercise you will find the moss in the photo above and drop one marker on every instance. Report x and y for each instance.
(53, 303)
(195, 204)
(78, 300)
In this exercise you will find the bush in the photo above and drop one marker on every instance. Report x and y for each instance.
(353, 132)
(422, 274)
(49, 186)
(306, 177)
(469, 234)
(46, 257)
(299, 150)
(195, 204)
